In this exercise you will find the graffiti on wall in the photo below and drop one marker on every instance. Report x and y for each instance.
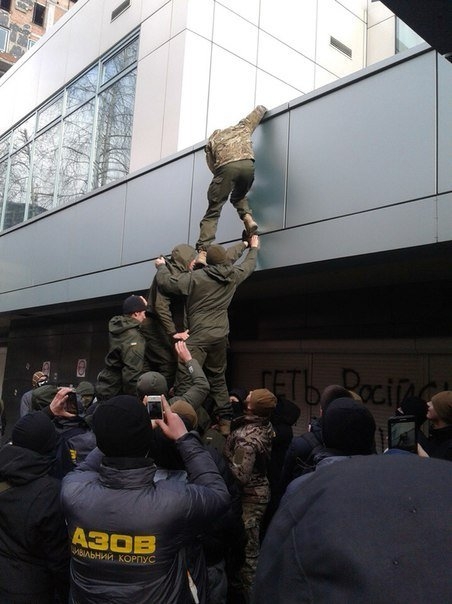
(290, 382)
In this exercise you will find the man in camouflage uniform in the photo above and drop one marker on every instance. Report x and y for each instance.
(247, 451)
(209, 292)
(230, 157)
(124, 361)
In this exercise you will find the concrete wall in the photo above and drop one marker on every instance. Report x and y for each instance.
(354, 168)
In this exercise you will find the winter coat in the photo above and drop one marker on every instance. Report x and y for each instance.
(233, 143)
(129, 533)
(439, 443)
(124, 361)
(247, 450)
(209, 293)
(34, 549)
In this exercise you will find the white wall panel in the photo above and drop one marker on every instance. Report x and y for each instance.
(155, 31)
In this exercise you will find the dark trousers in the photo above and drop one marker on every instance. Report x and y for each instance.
(234, 179)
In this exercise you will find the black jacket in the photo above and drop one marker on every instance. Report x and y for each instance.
(439, 443)
(34, 551)
(129, 533)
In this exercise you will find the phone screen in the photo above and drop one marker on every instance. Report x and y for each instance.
(154, 406)
(71, 403)
(402, 433)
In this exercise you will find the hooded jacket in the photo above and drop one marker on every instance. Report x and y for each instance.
(124, 361)
(233, 143)
(209, 293)
(34, 550)
(129, 533)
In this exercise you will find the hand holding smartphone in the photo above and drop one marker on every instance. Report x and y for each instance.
(402, 433)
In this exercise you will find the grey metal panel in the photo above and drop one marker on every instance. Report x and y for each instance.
(15, 261)
(445, 217)
(268, 194)
(397, 227)
(127, 279)
(365, 145)
(157, 210)
(96, 229)
(444, 125)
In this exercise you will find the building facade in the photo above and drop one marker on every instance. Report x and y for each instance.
(102, 169)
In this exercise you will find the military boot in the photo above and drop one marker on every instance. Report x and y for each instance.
(250, 225)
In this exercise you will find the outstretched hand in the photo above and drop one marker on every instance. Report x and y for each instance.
(159, 261)
(181, 335)
(254, 241)
(58, 404)
(171, 425)
(182, 352)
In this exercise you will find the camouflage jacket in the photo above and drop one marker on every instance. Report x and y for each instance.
(247, 450)
(233, 143)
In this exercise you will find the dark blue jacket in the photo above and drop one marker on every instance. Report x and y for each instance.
(129, 533)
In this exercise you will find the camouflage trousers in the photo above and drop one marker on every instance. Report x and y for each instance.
(233, 179)
(252, 517)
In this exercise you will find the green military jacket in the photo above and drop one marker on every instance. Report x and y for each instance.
(124, 361)
(233, 143)
(209, 293)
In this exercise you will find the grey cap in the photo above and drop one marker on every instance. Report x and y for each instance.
(151, 382)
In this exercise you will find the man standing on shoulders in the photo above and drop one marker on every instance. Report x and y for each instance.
(230, 157)
(124, 361)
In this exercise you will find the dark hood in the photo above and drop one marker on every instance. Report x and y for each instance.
(20, 466)
(122, 323)
(223, 273)
(180, 257)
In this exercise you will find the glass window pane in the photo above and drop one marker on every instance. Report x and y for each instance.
(44, 171)
(16, 197)
(83, 89)
(120, 61)
(3, 167)
(76, 151)
(24, 133)
(114, 131)
(4, 145)
(50, 113)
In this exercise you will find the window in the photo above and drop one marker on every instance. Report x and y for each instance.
(78, 140)
(38, 14)
(30, 43)
(5, 4)
(4, 35)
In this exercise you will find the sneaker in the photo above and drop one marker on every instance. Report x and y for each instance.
(201, 259)
(250, 225)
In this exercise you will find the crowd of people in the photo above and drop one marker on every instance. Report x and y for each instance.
(161, 483)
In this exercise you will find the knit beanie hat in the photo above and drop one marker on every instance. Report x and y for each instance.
(216, 254)
(151, 383)
(348, 427)
(186, 411)
(35, 431)
(262, 402)
(85, 389)
(122, 427)
(133, 304)
(442, 403)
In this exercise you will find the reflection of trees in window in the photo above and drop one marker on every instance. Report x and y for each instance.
(16, 196)
(4, 145)
(49, 113)
(45, 168)
(114, 131)
(75, 156)
(120, 61)
(24, 133)
(3, 166)
(83, 89)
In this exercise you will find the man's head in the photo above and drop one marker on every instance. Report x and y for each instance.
(86, 392)
(260, 402)
(123, 427)
(440, 409)
(331, 393)
(186, 412)
(151, 383)
(39, 379)
(135, 307)
(216, 254)
(348, 427)
(35, 431)
(413, 405)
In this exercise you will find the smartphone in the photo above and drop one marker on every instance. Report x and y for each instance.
(154, 405)
(402, 433)
(71, 403)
